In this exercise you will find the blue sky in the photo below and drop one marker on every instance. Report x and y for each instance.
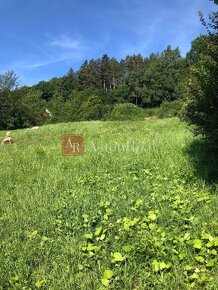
(41, 39)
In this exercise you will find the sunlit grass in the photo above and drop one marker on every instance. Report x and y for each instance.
(49, 202)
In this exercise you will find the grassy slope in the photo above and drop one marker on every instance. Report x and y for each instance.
(148, 206)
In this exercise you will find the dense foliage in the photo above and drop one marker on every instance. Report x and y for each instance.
(92, 92)
(202, 80)
(126, 111)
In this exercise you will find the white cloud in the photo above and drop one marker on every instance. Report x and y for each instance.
(57, 49)
(153, 32)
(36, 64)
(65, 42)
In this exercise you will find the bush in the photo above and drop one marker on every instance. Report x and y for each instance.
(106, 111)
(126, 111)
(169, 109)
(202, 87)
(91, 109)
(151, 112)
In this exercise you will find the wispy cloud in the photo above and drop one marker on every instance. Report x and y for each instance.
(65, 42)
(55, 50)
(32, 65)
(154, 31)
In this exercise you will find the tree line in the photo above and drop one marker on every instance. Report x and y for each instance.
(99, 84)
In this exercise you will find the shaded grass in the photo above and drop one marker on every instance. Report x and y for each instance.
(204, 156)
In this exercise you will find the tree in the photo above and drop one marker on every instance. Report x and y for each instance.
(134, 67)
(134, 63)
(91, 109)
(32, 107)
(105, 72)
(201, 107)
(134, 82)
(10, 113)
(70, 81)
(83, 76)
(8, 81)
(161, 77)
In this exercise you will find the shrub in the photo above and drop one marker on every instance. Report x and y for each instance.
(170, 109)
(167, 109)
(126, 111)
(202, 88)
(91, 109)
(151, 112)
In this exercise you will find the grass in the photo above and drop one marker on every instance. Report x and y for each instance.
(131, 213)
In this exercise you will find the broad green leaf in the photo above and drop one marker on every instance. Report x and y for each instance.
(117, 257)
(155, 266)
(152, 216)
(91, 247)
(216, 242)
(164, 265)
(194, 276)
(80, 267)
(210, 244)
(44, 238)
(98, 231)
(88, 236)
(146, 171)
(105, 217)
(102, 237)
(204, 279)
(205, 236)
(158, 266)
(204, 198)
(169, 265)
(200, 259)
(126, 226)
(39, 283)
(210, 263)
(127, 248)
(182, 256)
(105, 282)
(91, 254)
(197, 244)
(33, 234)
(108, 274)
(107, 203)
(152, 226)
(157, 244)
(187, 236)
(138, 202)
(14, 278)
(85, 216)
(108, 211)
(213, 252)
(188, 268)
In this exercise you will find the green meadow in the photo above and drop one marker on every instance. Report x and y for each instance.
(137, 211)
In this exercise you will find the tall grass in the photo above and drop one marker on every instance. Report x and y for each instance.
(133, 192)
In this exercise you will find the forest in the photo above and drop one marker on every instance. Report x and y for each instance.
(92, 92)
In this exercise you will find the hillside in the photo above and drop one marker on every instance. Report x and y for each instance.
(134, 212)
